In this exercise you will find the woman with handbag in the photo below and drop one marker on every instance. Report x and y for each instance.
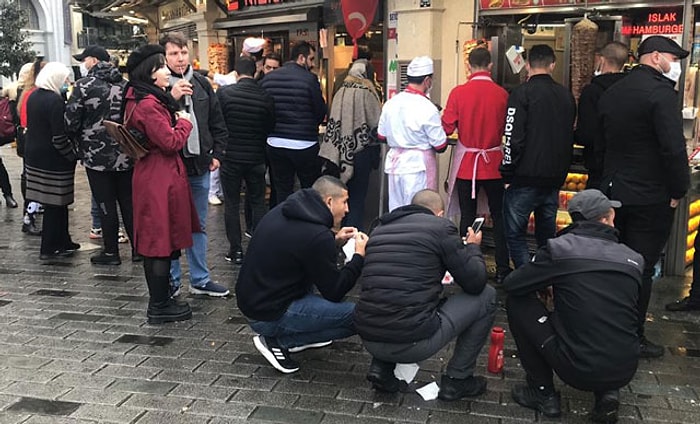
(164, 213)
(50, 159)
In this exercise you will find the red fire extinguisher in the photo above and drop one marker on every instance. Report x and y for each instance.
(495, 363)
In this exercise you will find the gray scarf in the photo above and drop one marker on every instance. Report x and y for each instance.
(192, 147)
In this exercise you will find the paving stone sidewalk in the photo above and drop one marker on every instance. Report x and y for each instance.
(75, 348)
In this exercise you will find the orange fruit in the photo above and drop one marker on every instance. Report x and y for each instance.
(571, 186)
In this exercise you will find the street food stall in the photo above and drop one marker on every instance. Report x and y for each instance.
(576, 29)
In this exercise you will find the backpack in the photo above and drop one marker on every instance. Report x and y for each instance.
(132, 143)
(8, 130)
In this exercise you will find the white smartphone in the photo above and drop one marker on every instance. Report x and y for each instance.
(476, 225)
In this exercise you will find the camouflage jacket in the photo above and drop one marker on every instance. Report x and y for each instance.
(95, 97)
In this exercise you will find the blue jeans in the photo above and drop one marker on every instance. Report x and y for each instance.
(518, 203)
(311, 319)
(197, 254)
(95, 213)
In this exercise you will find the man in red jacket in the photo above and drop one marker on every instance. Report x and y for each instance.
(477, 109)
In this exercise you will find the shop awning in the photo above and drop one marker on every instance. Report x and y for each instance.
(256, 18)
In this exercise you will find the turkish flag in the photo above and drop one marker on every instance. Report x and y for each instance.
(358, 16)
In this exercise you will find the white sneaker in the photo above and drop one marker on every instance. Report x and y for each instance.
(214, 201)
(122, 237)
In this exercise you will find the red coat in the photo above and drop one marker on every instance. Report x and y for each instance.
(164, 213)
(478, 109)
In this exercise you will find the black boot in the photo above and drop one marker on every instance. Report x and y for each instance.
(168, 311)
(161, 308)
(606, 406)
(381, 375)
(457, 388)
(104, 258)
(29, 226)
(545, 400)
(11, 202)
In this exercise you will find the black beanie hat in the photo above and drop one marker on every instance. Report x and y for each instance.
(141, 54)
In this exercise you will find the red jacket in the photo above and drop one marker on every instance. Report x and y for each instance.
(478, 109)
(164, 213)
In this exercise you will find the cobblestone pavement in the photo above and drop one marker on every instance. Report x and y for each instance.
(75, 348)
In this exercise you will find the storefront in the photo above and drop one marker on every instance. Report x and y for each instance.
(575, 30)
(284, 23)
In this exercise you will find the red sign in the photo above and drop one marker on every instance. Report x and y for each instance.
(655, 23)
(358, 16)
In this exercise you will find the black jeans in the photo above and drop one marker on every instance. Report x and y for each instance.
(286, 163)
(466, 317)
(54, 230)
(539, 350)
(645, 229)
(5, 180)
(494, 191)
(108, 189)
(231, 176)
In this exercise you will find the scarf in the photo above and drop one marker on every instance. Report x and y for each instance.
(142, 89)
(191, 149)
(352, 124)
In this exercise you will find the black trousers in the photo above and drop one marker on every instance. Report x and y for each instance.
(695, 287)
(539, 350)
(108, 189)
(232, 174)
(5, 180)
(645, 229)
(494, 191)
(288, 163)
(365, 160)
(54, 230)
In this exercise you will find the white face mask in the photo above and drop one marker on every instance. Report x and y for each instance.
(674, 73)
(596, 73)
(83, 69)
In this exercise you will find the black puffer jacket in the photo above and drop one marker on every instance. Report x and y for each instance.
(250, 116)
(292, 252)
(645, 158)
(406, 257)
(539, 134)
(596, 283)
(299, 104)
(588, 132)
(96, 97)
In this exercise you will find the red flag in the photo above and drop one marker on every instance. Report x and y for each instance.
(358, 16)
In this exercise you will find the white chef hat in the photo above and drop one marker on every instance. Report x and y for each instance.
(420, 66)
(253, 44)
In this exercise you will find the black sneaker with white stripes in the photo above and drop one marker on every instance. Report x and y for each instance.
(297, 349)
(275, 355)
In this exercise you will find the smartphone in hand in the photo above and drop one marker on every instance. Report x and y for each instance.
(476, 225)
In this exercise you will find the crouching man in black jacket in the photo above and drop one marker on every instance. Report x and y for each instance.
(293, 253)
(590, 339)
(401, 316)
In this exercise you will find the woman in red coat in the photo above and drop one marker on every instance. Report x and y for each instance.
(164, 214)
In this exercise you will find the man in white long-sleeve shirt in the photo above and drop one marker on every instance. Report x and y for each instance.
(411, 125)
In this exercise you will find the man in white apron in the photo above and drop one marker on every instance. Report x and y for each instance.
(477, 109)
(411, 125)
